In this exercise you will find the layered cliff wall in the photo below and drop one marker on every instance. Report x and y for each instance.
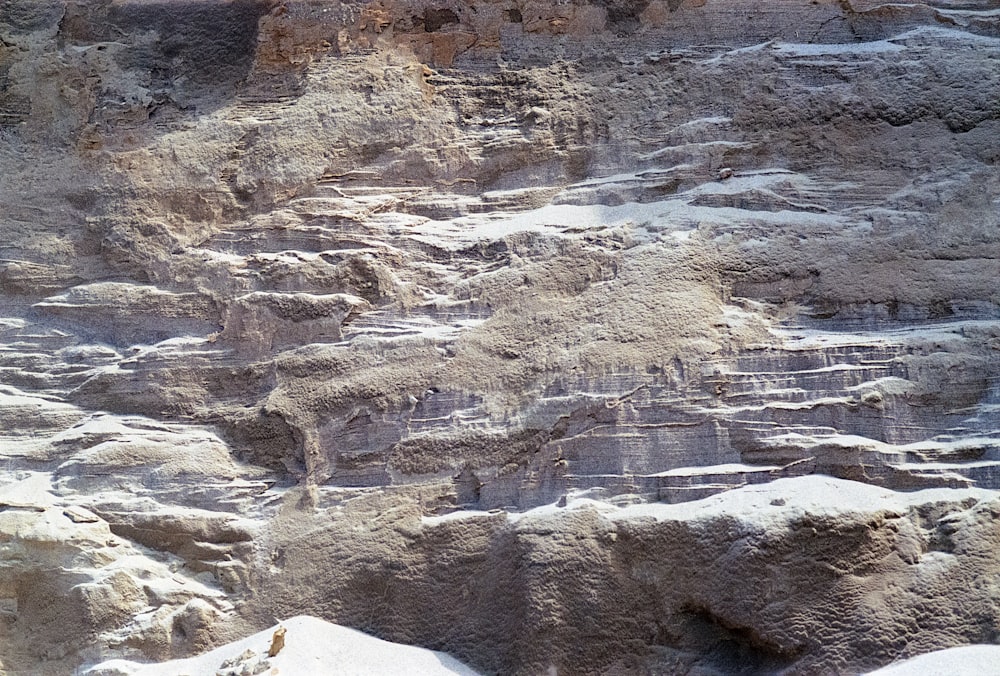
(603, 337)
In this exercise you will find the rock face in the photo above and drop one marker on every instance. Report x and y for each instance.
(590, 337)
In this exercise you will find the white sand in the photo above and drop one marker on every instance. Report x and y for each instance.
(312, 647)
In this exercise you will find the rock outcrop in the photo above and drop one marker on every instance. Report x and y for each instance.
(593, 336)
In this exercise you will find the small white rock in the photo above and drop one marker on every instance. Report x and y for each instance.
(80, 515)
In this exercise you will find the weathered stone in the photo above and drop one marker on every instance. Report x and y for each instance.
(595, 336)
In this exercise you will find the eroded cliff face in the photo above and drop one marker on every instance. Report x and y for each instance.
(602, 337)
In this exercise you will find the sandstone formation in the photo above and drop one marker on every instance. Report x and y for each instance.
(585, 337)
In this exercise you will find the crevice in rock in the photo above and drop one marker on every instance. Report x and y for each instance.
(735, 649)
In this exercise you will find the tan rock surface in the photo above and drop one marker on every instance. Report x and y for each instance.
(604, 337)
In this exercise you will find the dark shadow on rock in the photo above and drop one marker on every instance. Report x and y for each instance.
(204, 48)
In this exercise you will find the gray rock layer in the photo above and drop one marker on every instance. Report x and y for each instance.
(597, 337)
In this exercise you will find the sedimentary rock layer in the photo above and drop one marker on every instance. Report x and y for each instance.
(603, 337)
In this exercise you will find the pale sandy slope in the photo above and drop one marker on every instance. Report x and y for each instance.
(312, 646)
(973, 660)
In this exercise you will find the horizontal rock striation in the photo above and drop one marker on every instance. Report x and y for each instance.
(602, 337)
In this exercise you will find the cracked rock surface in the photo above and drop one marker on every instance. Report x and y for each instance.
(588, 337)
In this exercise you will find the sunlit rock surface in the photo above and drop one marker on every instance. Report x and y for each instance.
(300, 646)
(578, 338)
